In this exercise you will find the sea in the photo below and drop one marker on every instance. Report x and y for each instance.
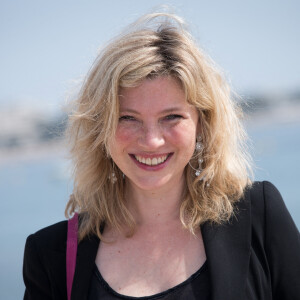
(34, 192)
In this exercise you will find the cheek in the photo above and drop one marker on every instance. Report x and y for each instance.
(183, 135)
(126, 133)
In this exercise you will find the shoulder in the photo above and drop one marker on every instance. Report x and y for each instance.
(263, 196)
(260, 190)
(271, 221)
(52, 237)
(47, 242)
(266, 201)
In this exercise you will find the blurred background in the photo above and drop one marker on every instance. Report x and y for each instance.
(47, 46)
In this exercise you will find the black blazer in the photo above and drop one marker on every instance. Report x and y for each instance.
(254, 256)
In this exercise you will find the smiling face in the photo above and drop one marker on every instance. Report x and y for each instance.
(156, 134)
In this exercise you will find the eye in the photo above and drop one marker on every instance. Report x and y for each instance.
(173, 117)
(127, 118)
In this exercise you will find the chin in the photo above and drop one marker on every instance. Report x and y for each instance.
(151, 183)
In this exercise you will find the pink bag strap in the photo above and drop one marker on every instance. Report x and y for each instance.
(71, 252)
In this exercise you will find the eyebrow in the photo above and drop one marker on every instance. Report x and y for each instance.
(167, 110)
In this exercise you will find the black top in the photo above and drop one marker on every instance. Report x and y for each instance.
(195, 287)
(254, 256)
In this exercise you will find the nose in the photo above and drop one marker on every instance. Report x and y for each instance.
(151, 137)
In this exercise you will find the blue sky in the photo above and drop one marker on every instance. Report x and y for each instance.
(47, 44)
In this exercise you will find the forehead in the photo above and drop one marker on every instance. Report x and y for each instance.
(160, 92)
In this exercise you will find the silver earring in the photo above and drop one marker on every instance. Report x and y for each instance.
(113, 177)
(198, 149)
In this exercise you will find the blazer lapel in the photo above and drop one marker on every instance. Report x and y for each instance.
(228, 251)
(85, 262)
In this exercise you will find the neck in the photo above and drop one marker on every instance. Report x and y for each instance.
(155, 207)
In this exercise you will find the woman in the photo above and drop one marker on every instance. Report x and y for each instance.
(161, 178)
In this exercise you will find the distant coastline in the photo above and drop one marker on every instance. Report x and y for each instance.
(54, 149)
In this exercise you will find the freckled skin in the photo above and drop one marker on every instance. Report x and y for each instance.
(155, 119)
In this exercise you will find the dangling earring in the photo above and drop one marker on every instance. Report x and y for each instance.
(198, 149)
(113, 177)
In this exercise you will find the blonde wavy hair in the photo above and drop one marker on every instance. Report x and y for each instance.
(156, 45)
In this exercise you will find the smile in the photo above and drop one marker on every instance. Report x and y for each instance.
(151, 161)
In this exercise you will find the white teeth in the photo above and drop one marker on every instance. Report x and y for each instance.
(151, 162)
